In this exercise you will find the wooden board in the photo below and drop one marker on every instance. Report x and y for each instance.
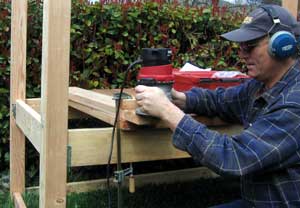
(29, 121)
(54, 103)
(34, 103)
(91, 146)
(18, 200)
(17, 91)
(100, 104)
(292, 6)
(165, 177)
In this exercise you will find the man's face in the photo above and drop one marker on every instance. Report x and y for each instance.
(257, 59)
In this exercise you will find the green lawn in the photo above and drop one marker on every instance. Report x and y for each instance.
(199, 193)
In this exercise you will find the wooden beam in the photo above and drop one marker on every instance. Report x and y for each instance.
(292, 6)
(166, 177)
(98, 105)
(29, 121)
(73, 113)
(18, 200)
(34, 103)
(54, 103)
(17, 91)
(91, 146)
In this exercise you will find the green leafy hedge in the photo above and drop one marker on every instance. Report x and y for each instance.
(106, 38)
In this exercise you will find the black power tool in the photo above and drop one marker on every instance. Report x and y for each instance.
(156, 71)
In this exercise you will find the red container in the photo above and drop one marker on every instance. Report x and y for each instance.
(184, 81)
(162, 73)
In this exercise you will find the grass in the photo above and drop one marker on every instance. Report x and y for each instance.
(198, 193)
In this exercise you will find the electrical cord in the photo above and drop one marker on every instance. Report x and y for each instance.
(118, 103)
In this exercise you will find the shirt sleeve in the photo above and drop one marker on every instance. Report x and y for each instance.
(270, 142)
(227, 103)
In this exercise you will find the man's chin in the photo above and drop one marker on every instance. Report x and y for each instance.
(251, 73)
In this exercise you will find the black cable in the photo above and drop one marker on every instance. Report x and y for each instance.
(138, 61)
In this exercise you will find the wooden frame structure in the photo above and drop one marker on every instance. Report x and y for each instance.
(44, 120)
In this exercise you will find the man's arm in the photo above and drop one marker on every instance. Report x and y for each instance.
(271, 142)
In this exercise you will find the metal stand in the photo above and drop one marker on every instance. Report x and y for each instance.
(120, 173)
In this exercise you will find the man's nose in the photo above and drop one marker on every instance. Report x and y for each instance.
(243, 54)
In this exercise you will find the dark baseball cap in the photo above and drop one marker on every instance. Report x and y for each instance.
(260, 23)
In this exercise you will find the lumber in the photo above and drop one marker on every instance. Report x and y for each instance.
(29, 121)
(18, 200)
(54, 103)
(91, 146)
(292, 6)
(163, 177)
(34, 103)
(98, 105)
(17, 91)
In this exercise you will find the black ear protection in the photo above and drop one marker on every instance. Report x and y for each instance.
(282, 44)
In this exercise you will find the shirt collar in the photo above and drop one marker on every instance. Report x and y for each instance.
(287, 78)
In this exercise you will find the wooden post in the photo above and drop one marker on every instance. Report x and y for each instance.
(17, 91)
(292, 6)
(54, 102)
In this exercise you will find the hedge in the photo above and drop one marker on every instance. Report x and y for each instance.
(107, 37)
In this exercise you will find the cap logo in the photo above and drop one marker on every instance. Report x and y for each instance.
(247, 20)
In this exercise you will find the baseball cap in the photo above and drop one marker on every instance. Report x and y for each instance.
(260, 23)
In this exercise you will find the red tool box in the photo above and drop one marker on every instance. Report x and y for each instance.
(206, 79)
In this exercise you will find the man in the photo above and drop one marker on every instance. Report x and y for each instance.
(266, 155)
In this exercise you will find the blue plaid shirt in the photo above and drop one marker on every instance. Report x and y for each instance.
(266, 154)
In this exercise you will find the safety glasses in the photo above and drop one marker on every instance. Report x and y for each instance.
(247, 47)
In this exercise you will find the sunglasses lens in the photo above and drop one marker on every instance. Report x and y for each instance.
(247, 47)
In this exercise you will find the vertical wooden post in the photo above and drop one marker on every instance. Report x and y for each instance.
(292, 6)
(17, 91)
(54, 102)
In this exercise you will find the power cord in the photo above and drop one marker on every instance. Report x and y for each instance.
(138, 61)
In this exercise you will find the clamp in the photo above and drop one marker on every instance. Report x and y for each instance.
(120, 174)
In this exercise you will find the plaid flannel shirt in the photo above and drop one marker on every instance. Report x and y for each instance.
(266, 154)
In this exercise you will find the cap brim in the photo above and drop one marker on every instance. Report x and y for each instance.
(242, 35)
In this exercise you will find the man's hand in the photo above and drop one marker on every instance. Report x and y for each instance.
(153, 101)
(178, 98)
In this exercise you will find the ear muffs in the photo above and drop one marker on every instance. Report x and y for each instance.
(282, 44)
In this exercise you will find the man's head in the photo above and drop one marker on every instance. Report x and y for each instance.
(271, 20)
(256, 39)
(260, 23)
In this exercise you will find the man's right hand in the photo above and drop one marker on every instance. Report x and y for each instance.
(178, 98)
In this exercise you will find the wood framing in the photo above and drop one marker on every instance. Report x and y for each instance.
(54, 102)
(100, 104)
(18, 200)
(91, 146)
(44, 121)
(292, 5)
(17, 91)
(34, 103)
(30, 122)
(88, 102)
(165, 177)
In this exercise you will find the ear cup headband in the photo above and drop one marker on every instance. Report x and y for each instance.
(282, 44)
